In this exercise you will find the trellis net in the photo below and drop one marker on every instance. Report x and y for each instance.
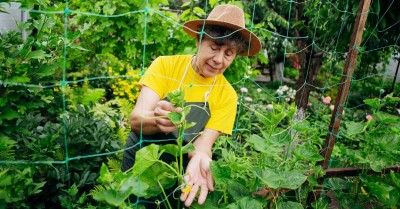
(268, 134)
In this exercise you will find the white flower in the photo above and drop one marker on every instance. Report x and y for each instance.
(279, 92)
(259, 90)
(244, 90)
(270, 107)
(332, 107)
(285, 88)
(248, 99)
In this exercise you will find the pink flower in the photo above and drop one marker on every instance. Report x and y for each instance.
(244, 90)
(309, 104)
(326, 100)
(332, 107)
(368, 117)
(270, 107)
(248, 99)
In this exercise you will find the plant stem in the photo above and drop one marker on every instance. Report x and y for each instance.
(165, 195)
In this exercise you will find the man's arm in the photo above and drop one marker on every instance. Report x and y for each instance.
(150, 113)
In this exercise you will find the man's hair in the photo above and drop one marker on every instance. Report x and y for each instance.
(225, 36)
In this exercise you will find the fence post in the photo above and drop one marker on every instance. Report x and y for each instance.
(345, 83)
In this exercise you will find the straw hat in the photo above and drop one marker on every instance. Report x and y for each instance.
(228, 16)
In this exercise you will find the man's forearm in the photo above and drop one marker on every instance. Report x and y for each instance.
(205, 142)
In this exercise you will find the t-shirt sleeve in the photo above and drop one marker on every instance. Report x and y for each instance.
(223, 117)
(152, 78)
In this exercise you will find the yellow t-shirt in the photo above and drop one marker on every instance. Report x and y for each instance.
(167, 72)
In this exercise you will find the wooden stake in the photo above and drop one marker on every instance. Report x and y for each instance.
(341, 98)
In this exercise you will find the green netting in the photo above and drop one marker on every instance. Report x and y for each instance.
(247, 82)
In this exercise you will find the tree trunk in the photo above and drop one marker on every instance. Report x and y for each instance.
(308, 71)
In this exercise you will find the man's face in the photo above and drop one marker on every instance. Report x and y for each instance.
(213, 59)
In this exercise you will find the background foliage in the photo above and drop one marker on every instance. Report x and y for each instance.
(66, 93)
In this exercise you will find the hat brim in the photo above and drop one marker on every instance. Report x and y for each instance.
(191, 28)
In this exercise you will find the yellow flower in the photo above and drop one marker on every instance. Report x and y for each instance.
(187, 189)
(363, 191)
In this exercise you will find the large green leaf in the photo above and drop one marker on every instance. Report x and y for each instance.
(280, 179)
(387, 194)
(290, 205)
(387, 118)
(395, 178)
(258, 143)
(246, 203)
(374, 103)
(307, 154)
(145, 158)
(155, 175)
(9, 114)
(354, 128)
(19, 79)
(221, 174)
(39, 54)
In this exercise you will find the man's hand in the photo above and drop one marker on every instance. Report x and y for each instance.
(161, 111)
(198, 176)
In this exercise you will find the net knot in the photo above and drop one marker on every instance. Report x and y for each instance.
(66, 11)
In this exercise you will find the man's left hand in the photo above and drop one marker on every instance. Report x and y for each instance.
(198, 176)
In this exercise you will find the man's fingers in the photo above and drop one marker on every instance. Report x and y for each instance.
(192, 195)
(203, 194)
(166, 105)
(210, 181)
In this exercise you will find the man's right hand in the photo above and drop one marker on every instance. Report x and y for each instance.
(161, 111)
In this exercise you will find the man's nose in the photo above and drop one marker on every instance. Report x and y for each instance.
(218, 57)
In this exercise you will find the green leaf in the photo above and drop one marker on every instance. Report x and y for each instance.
(175, 117)
(109, 8)
(237, 190)
(155, 174)
(133, 185)
(188, 148)
(221, 174)
(111, 197)
(39, 54)
(177, 98)
(258, 143)
(387, 194)
(145, 158)
(170, 149)
(246, 203)
(374, 103)
(47, 69)
(290, 205)
(307, 154)
(387, 118)
(280, 179)
(105, 175)
(395, 178)
(3, 101)
(19, 79)
(199, 11)
(354, 128)
(212, 3)
(302, 125)
(9, 114)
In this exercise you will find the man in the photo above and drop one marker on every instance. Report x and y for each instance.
(219, 39)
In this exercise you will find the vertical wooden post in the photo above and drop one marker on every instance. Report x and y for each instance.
(346, 81)
(341, 98)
